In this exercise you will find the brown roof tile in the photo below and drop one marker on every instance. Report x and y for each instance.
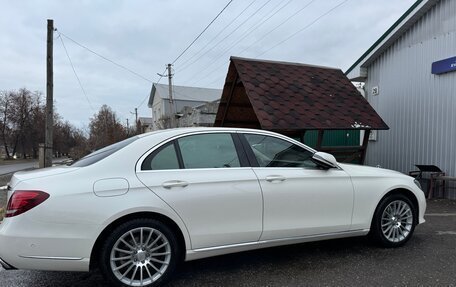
(297, 96)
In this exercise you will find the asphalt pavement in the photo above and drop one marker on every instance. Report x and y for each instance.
(13, 167)
(10, 168)
(428, 259)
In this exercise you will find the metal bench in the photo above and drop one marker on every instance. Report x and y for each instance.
(443, 179)
(434, 173)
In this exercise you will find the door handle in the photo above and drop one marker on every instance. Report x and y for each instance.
(174, 183)
(275, 178)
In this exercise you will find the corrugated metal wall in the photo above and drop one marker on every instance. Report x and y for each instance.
(419, 107)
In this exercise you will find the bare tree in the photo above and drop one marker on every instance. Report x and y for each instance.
(22, 119)
(105, 129)
(15, 109)
(5, 129)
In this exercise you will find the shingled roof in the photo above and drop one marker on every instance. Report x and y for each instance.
(290, 96)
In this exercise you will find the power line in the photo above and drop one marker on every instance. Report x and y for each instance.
(279, 43)
(106, 59)
(211, 72)
(158, 81)
(304, 28)
(184, 66)
(235, 29)
(262, 21)
(215, 80)
(257, 41)
(204, 30)
(183, 52)
(246, 33)
(74, 71)
(278, 26)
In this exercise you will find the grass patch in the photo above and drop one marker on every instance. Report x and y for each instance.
(2, 213)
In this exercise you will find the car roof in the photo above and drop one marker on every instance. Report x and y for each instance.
(178, 131)
(168, 133)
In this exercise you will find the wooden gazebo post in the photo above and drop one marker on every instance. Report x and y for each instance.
(320, 139)
(364, 146)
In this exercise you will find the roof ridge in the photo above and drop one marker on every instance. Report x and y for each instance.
(282, 62)
(191, 87)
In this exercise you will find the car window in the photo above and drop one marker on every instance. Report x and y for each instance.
(208, 151)
(100, 154)
(163, 158)
(274, 152)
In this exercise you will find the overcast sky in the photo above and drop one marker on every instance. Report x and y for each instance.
(145, 35)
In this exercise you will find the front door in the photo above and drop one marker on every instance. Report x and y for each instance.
(300, 198)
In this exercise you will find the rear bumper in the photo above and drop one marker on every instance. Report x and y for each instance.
(5, 265)
(25, 245)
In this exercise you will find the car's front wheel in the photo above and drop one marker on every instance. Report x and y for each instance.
(140, 252)
(394, 221)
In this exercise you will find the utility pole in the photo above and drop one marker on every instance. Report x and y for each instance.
(136, 119)
(49, 95)
(128, 128)
(171, 101)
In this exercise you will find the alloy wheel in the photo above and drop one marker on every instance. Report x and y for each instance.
(140, 256)
(397, 221)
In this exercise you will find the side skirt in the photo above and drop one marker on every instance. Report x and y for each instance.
(51, 257)
(226, 249)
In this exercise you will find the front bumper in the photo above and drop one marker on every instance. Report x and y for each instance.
(5, 265)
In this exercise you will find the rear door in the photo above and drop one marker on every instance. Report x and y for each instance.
(206, 179)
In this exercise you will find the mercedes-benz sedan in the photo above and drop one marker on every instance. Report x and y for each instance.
(137, 208)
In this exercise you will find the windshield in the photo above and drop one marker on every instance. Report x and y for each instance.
(103, 153)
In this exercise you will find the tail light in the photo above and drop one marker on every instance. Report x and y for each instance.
(24, 200)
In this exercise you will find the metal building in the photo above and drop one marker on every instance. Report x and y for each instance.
(410, 80)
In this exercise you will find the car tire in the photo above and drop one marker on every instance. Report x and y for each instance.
(394, 221)
(140, 252)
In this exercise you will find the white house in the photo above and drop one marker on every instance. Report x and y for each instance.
(145, 124)
(410, 80)
(183, 96)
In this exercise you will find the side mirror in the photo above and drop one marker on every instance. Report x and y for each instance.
(325, 160)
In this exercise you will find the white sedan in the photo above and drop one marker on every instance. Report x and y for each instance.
(137, 208)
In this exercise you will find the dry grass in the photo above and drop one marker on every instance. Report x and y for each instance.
(2, 213)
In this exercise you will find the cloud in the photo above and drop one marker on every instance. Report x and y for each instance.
(146, 35)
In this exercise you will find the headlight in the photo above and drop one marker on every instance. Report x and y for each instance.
(417, 183)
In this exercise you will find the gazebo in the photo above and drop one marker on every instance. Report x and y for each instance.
(296, 99)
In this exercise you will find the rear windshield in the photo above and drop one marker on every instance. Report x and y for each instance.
(103, 153)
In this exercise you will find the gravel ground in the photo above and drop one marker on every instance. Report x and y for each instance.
(428, 259)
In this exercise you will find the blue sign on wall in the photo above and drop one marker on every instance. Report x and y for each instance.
(444, 66)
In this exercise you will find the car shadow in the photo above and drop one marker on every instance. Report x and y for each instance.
(238, 269)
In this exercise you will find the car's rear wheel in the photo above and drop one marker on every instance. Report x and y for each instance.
(394, 221)
(140, 252)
